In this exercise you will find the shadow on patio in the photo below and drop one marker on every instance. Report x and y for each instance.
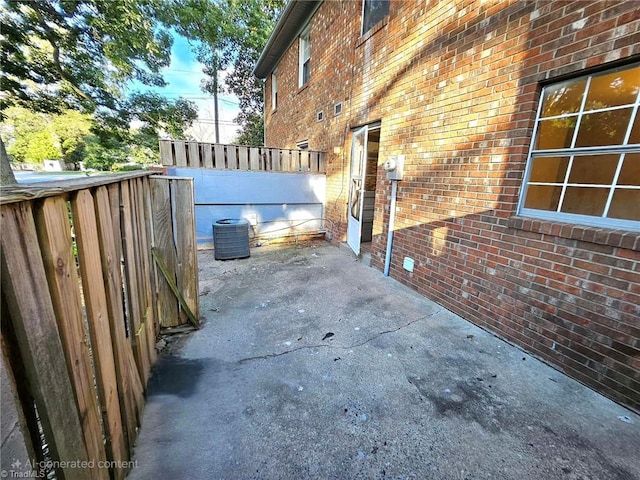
(312, 365)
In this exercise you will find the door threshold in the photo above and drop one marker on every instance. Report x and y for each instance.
(364, 256)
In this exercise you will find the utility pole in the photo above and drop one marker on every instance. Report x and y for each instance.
(215, 95)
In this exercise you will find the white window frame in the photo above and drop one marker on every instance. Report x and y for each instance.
(573, 152)
(304, 45)
(274, 89)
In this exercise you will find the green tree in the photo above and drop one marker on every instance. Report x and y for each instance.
(42, 147)
(230, 35)
(72, 129)
(20, 125)
(102, 154)
(80, 54)
(249, 30)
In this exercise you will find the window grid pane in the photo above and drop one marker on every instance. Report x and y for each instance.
(585, 157)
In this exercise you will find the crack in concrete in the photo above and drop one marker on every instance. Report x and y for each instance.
(342, 347)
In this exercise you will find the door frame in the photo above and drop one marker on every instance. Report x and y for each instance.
(354, 225)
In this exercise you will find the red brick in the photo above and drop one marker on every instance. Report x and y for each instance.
(465, 129)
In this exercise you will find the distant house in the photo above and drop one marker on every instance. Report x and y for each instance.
(54, 166)
(519, 126)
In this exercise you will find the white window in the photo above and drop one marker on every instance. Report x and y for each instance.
(584, 162)
(274, 90)
(304, 74)
(372, 12)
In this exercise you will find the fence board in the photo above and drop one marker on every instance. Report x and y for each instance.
(194, 155)
(207, 161)
(322, 166)
(180, 153)
(164, 245)
(143, 305)
(304, 161)
(166, 154)
(144, 218)
(93, 284)
(243, 158)
(131, 272)
(254, 158)
(313, 161)
(113, 286)
(275, 160)
(187, 271)
(54, 234)
(232, 161)
(219, 156)
(26, 292)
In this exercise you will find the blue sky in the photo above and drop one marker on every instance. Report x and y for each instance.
(183, 77)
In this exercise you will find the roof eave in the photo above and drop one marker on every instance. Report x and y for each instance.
(293, 18)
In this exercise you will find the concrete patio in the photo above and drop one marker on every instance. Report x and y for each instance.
(312, 365)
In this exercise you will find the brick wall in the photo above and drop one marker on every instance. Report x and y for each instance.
(456, 86)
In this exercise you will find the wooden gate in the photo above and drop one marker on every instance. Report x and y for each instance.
(175, 250)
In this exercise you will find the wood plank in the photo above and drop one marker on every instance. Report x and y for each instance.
(163, 242)
(220, 163)
(313, 161)
(304, 161)
(254, 158)
(287, 161)
(54, 234)
(276, 166)
(194, 155)
(135, 385)
(181, 153)
(111, 273)
(322, 166)
(93, 285)
(144, 219)
(187, 265)
(207, 161)
(166, 154)
(131, 284)
(36, 331)
(243, 158)
(232, 161)
(116, 224)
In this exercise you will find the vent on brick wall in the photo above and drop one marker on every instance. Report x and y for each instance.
(337, 109)
(320, 116)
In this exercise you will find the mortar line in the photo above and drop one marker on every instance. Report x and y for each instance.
(342, 347)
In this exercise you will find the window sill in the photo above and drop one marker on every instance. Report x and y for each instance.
(602, 236)
(372, 31)
(303, 87)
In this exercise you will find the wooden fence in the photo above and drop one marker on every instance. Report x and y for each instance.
(175, 153)
(80, 317)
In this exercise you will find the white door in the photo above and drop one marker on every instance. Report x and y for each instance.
(356, 188)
